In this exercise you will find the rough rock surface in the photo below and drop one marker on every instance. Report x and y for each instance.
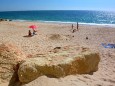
(65, 61)
(10, 55)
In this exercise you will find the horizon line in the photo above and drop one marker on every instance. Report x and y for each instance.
(57, 10)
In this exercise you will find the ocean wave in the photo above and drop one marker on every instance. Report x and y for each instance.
(108, 25)
(20, 20)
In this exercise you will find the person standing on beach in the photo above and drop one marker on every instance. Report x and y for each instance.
(72, 26)
(73, 30)
(77, 25)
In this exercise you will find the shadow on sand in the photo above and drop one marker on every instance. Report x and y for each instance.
(15, 80)
(27, 36)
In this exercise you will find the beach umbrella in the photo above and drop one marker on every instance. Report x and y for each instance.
(33, 27)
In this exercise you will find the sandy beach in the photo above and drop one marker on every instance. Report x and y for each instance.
(51, 35)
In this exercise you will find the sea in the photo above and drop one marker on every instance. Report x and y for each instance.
(62, 16)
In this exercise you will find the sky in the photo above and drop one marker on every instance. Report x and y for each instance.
(18, 5)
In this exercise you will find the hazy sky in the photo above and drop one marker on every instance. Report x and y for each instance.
(14, 5)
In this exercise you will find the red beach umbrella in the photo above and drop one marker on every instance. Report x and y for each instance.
(33, 27)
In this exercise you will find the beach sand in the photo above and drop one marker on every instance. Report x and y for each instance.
(51, 35)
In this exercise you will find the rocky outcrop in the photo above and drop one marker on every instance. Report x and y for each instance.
(5, 20)
(62, 63)
(10, 55)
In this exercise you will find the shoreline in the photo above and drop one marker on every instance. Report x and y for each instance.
(62, 22)
(59, 22)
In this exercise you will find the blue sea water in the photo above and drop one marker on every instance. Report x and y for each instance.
(82, 16)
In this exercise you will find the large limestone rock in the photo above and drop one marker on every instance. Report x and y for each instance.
(10, 55)
(65, 61)
(33, 68)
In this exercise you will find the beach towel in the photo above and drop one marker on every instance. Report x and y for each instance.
(108, 45)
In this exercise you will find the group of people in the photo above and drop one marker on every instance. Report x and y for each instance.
(74, 30)
(32, 33)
